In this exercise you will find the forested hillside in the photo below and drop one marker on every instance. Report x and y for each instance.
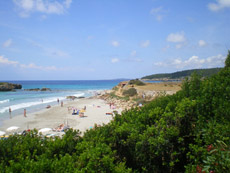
(186, 132)
(183, 74)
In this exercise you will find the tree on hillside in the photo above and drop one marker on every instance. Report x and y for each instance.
(227, 61)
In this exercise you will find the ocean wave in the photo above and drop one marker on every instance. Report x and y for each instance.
(4, 101)
(79, 94)
(29, 104)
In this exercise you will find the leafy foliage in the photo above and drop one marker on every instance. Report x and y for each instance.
(136, 82)
(130, 92)
(186, 132)
(185, 73)
(227, 61)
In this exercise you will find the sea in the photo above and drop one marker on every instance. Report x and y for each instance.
(34, 101)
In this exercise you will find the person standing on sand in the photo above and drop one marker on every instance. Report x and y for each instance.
(58, 100)
(24, 112)
(61, 103)
(10, 112)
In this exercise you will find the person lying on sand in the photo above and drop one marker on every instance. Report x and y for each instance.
(81, 114)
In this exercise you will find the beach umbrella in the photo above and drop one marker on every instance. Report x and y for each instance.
(2, 133)
(44, 130)
(12, 128)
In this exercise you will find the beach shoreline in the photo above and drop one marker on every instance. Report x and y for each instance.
(53, 117)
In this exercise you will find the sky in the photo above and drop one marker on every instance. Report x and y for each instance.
(110, 39)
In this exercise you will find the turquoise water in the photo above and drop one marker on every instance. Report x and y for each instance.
(36, 100)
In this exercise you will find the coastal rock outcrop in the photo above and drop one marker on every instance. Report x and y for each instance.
(5, 86)
(45, 89)
(32, 89)
(38, 89)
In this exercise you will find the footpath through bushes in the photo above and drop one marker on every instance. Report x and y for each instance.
(186, 132)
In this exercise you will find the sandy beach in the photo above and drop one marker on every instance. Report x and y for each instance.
(95, 113)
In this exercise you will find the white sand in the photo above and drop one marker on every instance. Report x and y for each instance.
(96, 110)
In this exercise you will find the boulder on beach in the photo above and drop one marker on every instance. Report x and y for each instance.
(74, 97)
(5, 86)
(71, 97)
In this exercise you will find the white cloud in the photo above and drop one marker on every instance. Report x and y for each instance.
(115, 43)
(158, 13)
(161, 64)
(34, 66)
(133, 53)
(194, 62)
(49, 51)
(145, 43)
(67, 3)
(6, 61)
(176, 37)
(202, 43)
(43, 6)
(114, 60)
(178, 46)
(56, 52)
(156, 10)
(133, 57)
(220, 4)
(7, 43)
(134, 60)
(159, 17)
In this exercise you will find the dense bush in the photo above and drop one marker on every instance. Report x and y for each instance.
(136, 82)
(130, 92)
(185, 132)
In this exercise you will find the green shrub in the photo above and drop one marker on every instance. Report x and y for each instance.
(113, 95)
(115, 88)
(136, 82)
(130, 92)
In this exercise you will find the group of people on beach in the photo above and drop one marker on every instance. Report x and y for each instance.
(77, 111)
(61, 102)
(48, 106)
(11, 111)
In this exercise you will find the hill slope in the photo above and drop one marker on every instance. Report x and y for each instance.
(183, 74)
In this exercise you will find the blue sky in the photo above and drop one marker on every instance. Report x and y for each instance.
(109, 39)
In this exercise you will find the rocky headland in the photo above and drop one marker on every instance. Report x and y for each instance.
(5, 86)
(133, 93)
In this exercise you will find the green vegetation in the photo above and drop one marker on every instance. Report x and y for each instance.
(115, 88)
(136, 82)
(186, 132)
(185, 73)
(130, 92)
(227, 61)
(113, 95)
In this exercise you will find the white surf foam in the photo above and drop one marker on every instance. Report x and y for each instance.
(79, 94)
(29, 104)
(4, 101)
